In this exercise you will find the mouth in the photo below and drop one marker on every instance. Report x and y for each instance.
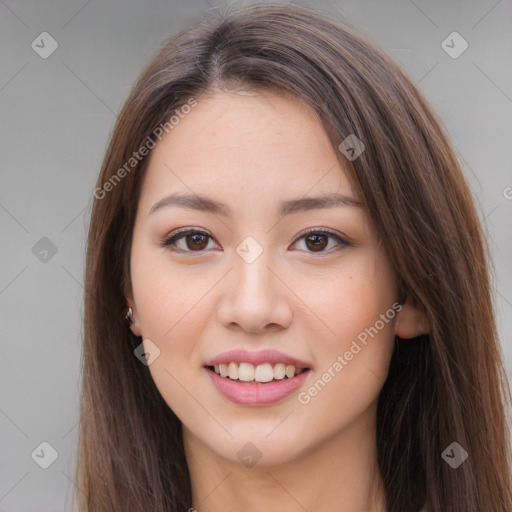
(247, 373)
(260, 378)
(265, 386)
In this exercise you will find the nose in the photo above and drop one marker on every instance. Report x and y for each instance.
(255, 297)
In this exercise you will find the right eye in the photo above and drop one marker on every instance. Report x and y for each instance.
(195, 240)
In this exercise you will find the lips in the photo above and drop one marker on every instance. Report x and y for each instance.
(264, 383)
(256, 358)
(256, 393)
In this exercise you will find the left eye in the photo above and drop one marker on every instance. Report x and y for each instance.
(320, 239)
(197, 241)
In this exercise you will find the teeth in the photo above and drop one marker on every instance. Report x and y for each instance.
(290, 371)
(223, 369)
(263, 373)
(279, 371)
(247, 372)
(233, 371)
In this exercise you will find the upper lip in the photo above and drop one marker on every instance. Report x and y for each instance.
(263, 356)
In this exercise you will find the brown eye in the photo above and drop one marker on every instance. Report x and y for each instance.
(198, 241)
(195, 241)
(317, 242)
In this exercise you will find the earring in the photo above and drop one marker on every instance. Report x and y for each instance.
(129, 315)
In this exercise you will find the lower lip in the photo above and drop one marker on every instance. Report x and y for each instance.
(256, 394)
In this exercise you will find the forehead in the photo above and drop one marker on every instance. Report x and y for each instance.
(246, 144)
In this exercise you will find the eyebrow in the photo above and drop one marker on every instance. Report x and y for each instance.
(288, 207)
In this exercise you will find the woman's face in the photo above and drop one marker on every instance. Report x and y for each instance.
(247, 278)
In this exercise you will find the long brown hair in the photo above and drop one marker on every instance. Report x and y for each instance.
(444, 387)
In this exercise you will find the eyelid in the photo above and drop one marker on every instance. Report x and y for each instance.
(341, 238)
(326, 231)
(173, 236)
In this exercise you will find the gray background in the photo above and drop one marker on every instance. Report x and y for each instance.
(57, 115)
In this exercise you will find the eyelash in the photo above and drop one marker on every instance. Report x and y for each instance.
(178, 235)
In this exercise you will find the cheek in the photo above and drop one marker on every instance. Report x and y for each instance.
(172, 316)
(348, 385)
(174, 321)
(353, 365)
(348, 299)
(167, 300)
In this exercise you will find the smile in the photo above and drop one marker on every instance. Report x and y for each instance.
(261, 373)
(255, 393)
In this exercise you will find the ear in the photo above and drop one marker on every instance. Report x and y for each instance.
(135, 325)
(411, 320)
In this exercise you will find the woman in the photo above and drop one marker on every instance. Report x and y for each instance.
(287, 291)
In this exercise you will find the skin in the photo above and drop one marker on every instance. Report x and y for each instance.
(251, 151)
